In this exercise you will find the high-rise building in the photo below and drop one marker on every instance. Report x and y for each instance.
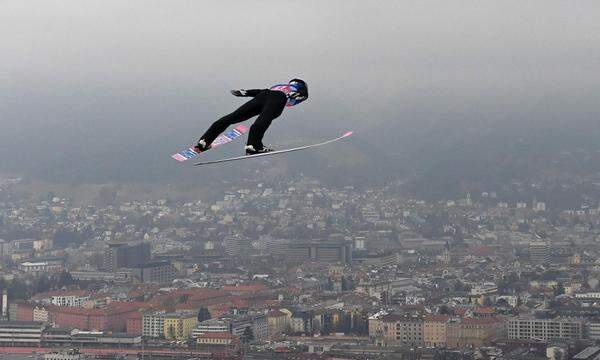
(235, 245)
(157, 272)
(326, 251)
(539, 252)
(126, 255)
(4, 248)
(277, 247)
(360, 242)
(4, 304)
(593, 330)
(153, 324)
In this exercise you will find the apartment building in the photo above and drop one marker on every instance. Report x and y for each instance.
(179, 325)
(435, 330)
(545, 329)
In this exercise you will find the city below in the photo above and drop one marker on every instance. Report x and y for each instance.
(298, 270)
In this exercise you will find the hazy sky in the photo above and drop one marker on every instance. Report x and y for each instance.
(108, 74)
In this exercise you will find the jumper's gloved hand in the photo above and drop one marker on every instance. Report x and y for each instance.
(240, 92)
(296, 96)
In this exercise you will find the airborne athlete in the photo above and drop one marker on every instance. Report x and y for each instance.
(268, 104)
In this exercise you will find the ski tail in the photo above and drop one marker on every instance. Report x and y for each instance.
(224, 138)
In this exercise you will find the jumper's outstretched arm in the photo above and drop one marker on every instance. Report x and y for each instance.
(245, 93)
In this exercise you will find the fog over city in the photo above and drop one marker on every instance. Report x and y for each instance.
(460, 221)
(105, 91)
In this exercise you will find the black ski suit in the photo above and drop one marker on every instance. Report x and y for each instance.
(266, 103)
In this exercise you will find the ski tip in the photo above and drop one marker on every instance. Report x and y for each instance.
(347, 133)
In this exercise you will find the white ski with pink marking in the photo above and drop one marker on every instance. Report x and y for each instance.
(247, 157)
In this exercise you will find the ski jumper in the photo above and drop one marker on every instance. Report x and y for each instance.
(268, 104)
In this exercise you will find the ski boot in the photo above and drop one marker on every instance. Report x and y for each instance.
(201, 146)
(252, 150)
